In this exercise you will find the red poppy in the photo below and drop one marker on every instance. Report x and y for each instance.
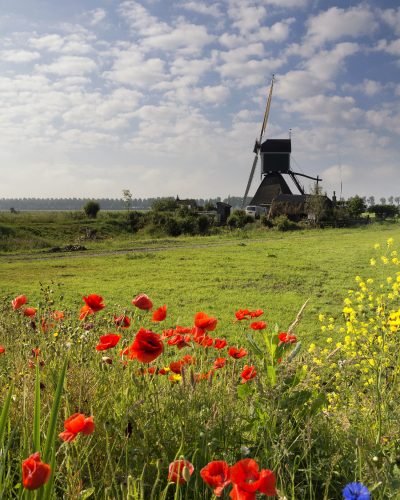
(182, 329)
(75, 424)
(57, 315)
(248, 373)
(202, 320)
(219, 343)
(95, 302)
(219, 363)
(258, 325)
(204, 376)
(122, 321)
(179, 340)
(30, 312)
(146, 347)
(176, 366)
(257, 313)
(19, 301)
(188, 359)
(216, 474)
(237, 353)
(35, 352)
(35, 473)
(2, 349)
(242, 314)
(285, 338)
(160, 314)
(180, 471)
(247, 480)
(108, 341)
(142, 302)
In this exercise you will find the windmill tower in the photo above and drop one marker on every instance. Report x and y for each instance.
(275, 163)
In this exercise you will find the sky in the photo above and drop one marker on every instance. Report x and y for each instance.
(166, 97)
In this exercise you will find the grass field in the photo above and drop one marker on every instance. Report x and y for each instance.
(276, 271)
(316, 408)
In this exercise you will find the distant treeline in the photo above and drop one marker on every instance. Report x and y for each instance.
(105, 203)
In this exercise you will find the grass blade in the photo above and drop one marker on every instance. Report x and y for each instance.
(36, 416)
(4, 413)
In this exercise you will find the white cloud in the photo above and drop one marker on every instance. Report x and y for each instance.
(131, 68)
(392, 18)
(74, 43)
(97, 15)
(246, 15)
(367, 87)
(326, 64)
(210, 94)
(18, 56)
(335, 23)
(140, 20)
(68, 65)
(213, 10)
(390, 47)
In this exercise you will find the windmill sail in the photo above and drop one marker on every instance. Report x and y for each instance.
(258, 142)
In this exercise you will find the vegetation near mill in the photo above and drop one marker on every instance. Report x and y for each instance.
(240, 365)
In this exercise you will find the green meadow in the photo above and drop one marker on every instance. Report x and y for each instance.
(268, 269)
(294, 407)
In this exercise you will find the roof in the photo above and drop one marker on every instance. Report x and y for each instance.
(276, 146)
(271, 186)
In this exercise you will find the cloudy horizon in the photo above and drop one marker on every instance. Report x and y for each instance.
(166, 98)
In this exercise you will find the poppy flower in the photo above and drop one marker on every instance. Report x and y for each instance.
(216, 475)
(108, 341)
(146, 347)
(242, 314)
(248, 373)
(57, 315)
(122, 321)
(30, 312)
(19, 302)
(35, 473)
(95, 302)
(203, 376)
(247, 480)
(142, 302)
(285, 338)
(219, 343)
(237, 353)
(179, 471)
(176, 366)
(75, 424)
(160, 314)
(257, 313)
(258, 325)
(219, 363)
(2, 349)
(179, 340)
(188, 359)
(202, 320)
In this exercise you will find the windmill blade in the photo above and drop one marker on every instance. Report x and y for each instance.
(267, 108)
(253, 168)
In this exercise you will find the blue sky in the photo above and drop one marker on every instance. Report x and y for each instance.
(166, 97)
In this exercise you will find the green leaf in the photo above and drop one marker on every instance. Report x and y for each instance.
(255, 347)
(87, 493)
(271, 372)
(244, 391)
(4, 413)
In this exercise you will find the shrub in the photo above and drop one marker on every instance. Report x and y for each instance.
(282, 223)
(203, 223)
(91, 209)
(239, 218)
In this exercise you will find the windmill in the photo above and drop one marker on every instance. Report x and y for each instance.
(275, 161)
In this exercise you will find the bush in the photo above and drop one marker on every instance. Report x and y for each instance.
(239, 219)
(384, 211)
(265, 221)
(282, 223)
(172, 227)
(91, 209)
(203, 223)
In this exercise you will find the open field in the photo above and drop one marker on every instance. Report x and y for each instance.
(277, 271)
(315, 407)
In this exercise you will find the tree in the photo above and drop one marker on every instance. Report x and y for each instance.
(397, 200)
(127, 198)
(371, 201)
(356, 206)
(91, 209)
(390, 200)
(383, 201)
(315, 206)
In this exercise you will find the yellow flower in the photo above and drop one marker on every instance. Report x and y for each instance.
(384, 259)
(321, 317)
(329, 340)
(372, 262)
(390, 242)
(377, 246)
(312, 347)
